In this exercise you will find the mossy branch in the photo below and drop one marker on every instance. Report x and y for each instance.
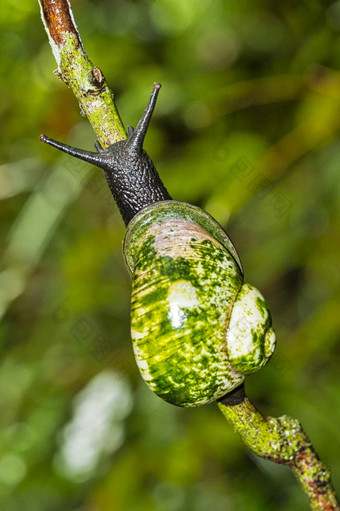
(87, 82)
(281, 440)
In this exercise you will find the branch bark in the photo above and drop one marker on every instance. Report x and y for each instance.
(281, 440)
(77, 71)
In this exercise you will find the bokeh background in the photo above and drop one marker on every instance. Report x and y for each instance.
(247, 126)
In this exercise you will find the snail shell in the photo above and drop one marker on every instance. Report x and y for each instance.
(197, 330)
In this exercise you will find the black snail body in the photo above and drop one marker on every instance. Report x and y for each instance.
(131, 175)
(197, 328)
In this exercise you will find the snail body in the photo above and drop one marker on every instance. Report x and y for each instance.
(130, 173)
(197, 329)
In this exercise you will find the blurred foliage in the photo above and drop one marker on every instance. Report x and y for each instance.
(247, 126)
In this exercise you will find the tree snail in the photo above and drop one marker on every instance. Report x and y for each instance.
(197, 329)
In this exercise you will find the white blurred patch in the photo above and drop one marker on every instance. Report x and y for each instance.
(96, 427)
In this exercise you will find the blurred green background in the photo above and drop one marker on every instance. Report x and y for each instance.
(247, 126)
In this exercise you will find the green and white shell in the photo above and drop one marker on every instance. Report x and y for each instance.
(197, 329)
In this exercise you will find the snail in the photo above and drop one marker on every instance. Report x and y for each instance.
(197, 329)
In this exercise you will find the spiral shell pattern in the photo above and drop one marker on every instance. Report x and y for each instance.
(186, 278)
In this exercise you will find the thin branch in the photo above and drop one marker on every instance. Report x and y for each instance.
(77, 71)
(282, 440)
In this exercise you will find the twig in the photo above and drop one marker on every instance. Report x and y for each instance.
(77, 71)
(281, 440)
